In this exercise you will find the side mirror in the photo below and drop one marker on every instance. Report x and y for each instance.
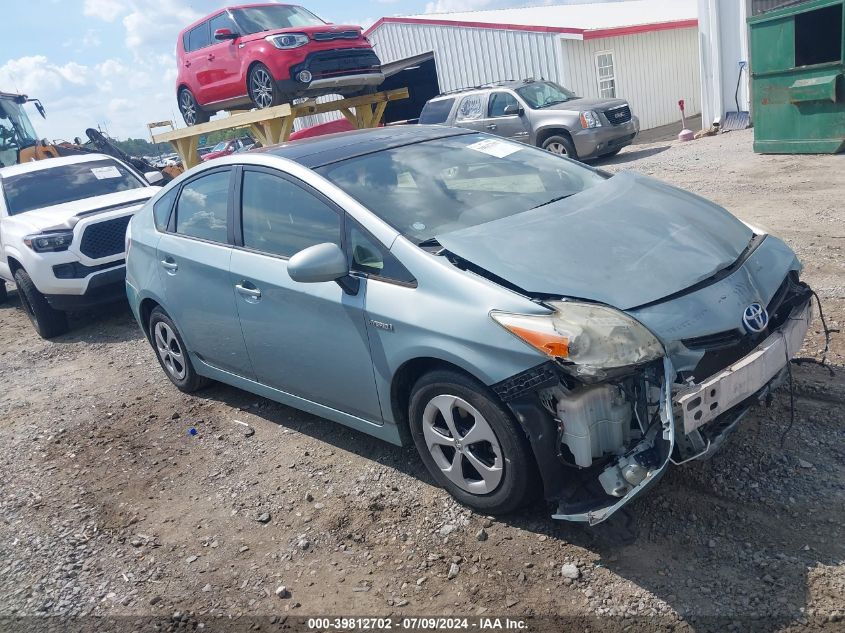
(225, 34)
(512, 109)
(154, 177)
(322, 262)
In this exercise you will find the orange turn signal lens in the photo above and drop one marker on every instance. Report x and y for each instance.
(548, 343)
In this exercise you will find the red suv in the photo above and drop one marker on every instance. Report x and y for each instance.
(261, 55)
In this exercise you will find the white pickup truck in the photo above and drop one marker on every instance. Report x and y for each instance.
(62, 233)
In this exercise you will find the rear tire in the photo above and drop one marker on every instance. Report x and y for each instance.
(263, 90)
(489, 465)
(561, 146)
(191, 111)
(47, 321)
(172, 354)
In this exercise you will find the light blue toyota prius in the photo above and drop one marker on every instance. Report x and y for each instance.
(531, 324)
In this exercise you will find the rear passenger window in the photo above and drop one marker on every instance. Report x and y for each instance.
(436, 111)
(198, 37)
(162, 208)
(202, 208)
(281, 218)
(471, 108)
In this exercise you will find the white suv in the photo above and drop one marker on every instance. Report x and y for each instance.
(62, 233)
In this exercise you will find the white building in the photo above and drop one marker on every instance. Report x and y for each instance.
(645, 51)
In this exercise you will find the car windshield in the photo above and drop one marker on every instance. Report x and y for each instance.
(542, 94)
(66, 183)
(283, 16)
(220, 146)
(443, 185)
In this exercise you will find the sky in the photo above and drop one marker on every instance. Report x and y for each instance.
(112, 63)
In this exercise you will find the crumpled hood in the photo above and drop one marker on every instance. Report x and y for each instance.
(66, 215)
(627, 241)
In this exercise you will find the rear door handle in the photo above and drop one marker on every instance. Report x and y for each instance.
(492, 126)
(211, 57)
(248, 292)
(169, 265)
(188, 64)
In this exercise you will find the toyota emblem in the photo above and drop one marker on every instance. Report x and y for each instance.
(755, 318)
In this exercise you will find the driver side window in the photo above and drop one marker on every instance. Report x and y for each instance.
(498, 102)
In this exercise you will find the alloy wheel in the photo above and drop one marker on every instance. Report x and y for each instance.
(556, 148)
(262, 88)
(169, 350)
(188, 107)
(462, 444)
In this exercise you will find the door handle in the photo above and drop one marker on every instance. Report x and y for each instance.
(246, 292)
(169, 265)
(188, 64)
(211, 57)
(492, 126)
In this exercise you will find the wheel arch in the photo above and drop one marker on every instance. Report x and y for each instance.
(145, 309)
(14, 265)
(403, 382)
(552, 130)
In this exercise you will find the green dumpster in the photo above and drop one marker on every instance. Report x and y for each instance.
(798, 78)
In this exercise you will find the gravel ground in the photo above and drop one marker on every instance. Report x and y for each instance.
(109, 506)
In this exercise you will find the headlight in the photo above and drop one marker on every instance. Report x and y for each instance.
(590, 119)
(49, 242)
(592, 337)
(288, 40)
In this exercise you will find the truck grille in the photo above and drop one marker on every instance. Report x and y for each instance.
(618, 116)
(105, 239)
(326, 36)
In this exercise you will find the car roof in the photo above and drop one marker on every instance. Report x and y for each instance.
(49, 163)
(506, 83)
(331, 148)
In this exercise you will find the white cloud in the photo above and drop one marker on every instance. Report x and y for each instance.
(453, 6)
(121, 97)
(107, 10)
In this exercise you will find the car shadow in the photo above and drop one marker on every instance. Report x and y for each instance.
(629, 155)
(723, 543)
(110, 322)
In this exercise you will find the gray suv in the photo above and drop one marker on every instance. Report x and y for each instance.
(540, 113)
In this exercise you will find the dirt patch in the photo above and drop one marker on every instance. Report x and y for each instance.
(110, 506)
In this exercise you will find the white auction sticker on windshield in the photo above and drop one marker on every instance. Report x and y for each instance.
(494, 147)
(101, 173)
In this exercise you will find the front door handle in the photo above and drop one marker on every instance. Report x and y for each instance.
(211, 57)
(248, 292)
(492, 126)
(169, 265)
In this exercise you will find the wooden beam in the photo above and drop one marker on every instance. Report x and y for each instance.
(245, 119)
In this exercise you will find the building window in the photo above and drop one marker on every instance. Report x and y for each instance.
(606, 74)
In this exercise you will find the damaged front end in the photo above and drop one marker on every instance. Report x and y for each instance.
(604, 434)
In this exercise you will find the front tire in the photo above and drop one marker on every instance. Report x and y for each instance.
(560, 145)
(191, 111)
(172, 354)
(263, 90)
(470, 443)
(4, 294)
(46, 320)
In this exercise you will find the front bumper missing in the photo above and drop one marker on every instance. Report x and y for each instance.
(726, 395)
(712, 397)
(667, 433)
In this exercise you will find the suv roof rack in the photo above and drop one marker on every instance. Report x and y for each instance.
(491, 84)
